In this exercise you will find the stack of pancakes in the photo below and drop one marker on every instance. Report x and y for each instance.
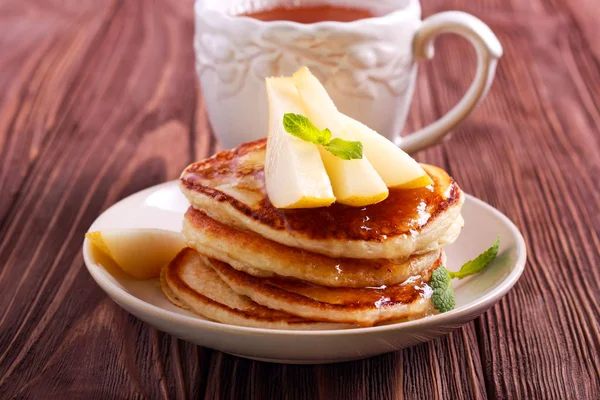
(249, 263)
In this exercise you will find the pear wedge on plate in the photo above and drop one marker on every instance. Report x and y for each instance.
(294, 172)
(354, 182)
(141, 253)
(396, 168)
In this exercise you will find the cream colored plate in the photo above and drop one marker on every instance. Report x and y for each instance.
(163, 206)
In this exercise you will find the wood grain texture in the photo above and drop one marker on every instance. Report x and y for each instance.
(99, 100)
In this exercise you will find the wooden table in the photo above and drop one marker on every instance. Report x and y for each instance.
(98, 99)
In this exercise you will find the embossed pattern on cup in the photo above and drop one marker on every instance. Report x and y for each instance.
(366, 65)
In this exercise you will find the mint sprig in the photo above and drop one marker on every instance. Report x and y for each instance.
(344, 149)
(480, 262)
(441, 279)
(443, 292)
(301, 127)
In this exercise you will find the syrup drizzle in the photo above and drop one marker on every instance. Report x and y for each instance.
(404, 211)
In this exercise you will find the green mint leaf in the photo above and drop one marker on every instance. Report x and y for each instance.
(326, 135)
(344, 149)
(479, 263)
(441, 279)
(443, 292)
(301, 127)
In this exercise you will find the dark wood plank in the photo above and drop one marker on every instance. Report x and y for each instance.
(99, 100)
(433, 370)
(125, 97)
(536, 142)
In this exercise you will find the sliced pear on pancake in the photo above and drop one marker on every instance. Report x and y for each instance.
(396, 168)
(294, 172)
(141, 253)
(354, 182)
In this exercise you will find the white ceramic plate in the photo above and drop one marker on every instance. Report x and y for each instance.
(163, 207)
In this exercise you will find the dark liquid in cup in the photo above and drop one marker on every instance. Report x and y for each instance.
(311, 14)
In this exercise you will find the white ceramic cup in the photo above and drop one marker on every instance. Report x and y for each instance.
(368, 66)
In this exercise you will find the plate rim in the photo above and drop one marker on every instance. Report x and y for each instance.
(482, 303)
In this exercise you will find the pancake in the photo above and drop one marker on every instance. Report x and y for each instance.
(360, 306)
(229, 187)
(168, 292)
(251, 253)
(189, 282)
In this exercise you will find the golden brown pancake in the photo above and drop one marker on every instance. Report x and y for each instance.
(360, 306)
(229, 187)
(168, 292)
(251, 253)
(190, 283)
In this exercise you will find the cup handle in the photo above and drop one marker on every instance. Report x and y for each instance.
(488, 50)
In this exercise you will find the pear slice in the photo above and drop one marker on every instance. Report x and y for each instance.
(141, 253)
(294, 172)
(355, 182)
(396, 168)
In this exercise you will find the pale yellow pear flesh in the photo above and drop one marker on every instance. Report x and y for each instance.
(140, 253)
(354, 182)
(294, 172)
(394, 166)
